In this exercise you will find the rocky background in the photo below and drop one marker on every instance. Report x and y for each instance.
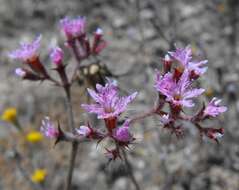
(138, 33)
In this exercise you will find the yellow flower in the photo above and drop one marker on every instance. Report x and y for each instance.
(34, 137)
(39, 175)
(9, 115)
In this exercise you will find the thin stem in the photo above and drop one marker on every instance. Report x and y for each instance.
(142, 116)
(75, 52)
(71, 123)
(158, 105)
(74, 146)
(130, 172)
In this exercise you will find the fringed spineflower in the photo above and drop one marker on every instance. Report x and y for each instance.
(27, 51)
(73, 28)
(184, 57)
(178, 93)
(108, 103)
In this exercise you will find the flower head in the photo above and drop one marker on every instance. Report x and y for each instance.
(213, 109)
(184, 57)
(84, 131)
(39, 175)
(108, 103)
(9, 115)
(34, 137)
(56, 56)
(48, 128)
(178, 93)
(122, 134)
(27, 51)
(73, 27)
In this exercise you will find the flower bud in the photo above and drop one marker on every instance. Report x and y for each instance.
(57, 56)
(48, 129)
(84, 131)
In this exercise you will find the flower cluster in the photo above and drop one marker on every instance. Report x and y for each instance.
(108, 106)
(175, 87)
(77, 39)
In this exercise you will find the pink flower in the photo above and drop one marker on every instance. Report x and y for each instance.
(177, 93)
(73, 27)
(184, 57)
(122, 134)
(48, 128)
(213, 109)
(27, 51)
(56, 56)
(108, 103)
(84, 131)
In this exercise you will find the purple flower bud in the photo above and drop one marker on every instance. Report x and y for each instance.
(84, 131)
(213, 109)
(20, 72)
(48, 128)
(57, 56)
(73, 28)
(122, 134)
(27, 51)
(165, 119)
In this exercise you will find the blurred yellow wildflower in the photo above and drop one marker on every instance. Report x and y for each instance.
(10, 115)
(39, 175)
(34, 137)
